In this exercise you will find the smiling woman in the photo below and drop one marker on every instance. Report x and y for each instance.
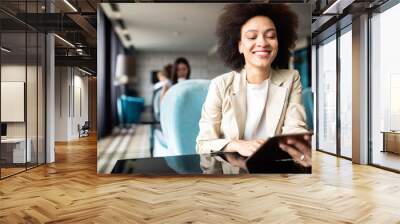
(260, 98)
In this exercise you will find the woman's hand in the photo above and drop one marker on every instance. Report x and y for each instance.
(298, 149)
(244, 148)
(236, 160)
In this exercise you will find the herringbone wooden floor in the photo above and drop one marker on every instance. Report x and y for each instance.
(70, 191)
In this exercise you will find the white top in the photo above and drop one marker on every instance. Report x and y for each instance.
(161, 84)
(256, 120)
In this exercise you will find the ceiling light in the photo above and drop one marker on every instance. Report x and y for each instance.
(79, 51)
(337, 7)
(124, 31)
(5, 50)
(117, 15)
(70, 5)
(64, 40)
(84, 71)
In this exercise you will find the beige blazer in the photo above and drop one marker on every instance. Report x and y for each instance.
(223, 116)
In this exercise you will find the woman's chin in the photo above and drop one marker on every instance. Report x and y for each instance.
(263, 65)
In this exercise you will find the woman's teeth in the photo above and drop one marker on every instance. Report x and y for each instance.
(262, 53)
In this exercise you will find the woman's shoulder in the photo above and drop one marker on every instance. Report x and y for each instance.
(287, 73)
(225, 80)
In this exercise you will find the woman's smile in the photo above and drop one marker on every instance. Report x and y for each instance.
(263, 54)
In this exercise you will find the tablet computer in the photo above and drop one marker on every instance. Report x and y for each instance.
(270, 154)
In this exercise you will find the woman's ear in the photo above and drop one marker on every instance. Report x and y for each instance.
(240, 47)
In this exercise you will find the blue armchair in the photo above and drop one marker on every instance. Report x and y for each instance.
(129, 109)
(179, 117)
(308, 103)
(156, 104)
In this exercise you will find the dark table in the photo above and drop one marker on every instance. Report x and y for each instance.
(221, 163)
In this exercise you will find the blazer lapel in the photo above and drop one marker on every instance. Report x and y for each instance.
(275, 102)
(238, 101)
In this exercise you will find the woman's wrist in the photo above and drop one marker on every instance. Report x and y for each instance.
(230, 147)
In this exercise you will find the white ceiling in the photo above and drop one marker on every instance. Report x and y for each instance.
(179, 27)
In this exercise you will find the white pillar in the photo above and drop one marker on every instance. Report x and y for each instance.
(360, 90)
(50, 99)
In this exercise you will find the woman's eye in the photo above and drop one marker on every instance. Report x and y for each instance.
(251, 37)
(271, 36)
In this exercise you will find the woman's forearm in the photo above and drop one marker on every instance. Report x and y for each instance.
(243, 147)
(204, 146)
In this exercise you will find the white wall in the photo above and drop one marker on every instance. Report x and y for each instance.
(17, 72)
(67, 114)
(14, 72)
(79, 117)
(33, 126)
(61, 103)
(202, 67)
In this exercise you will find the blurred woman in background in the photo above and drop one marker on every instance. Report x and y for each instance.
(164, 82)
(181, 70)
(161, 88)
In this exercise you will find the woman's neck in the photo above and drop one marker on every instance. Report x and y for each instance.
(257, 75)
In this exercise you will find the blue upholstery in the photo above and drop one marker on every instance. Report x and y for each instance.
(129, 109)
(179, 164)
(302, 65)
(156, 104)
(308, 103)
(180, 114)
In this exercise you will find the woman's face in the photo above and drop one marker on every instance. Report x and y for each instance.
(161, 76)
(259, 42)
(182, 71)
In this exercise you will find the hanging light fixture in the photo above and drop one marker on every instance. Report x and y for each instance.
(70, 5)
(64, 40)
(5, 49)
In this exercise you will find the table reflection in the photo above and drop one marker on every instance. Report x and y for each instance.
(221, 163)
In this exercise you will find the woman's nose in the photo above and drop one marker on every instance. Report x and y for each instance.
(262, 42)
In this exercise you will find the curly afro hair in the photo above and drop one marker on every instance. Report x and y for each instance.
(234, 16)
